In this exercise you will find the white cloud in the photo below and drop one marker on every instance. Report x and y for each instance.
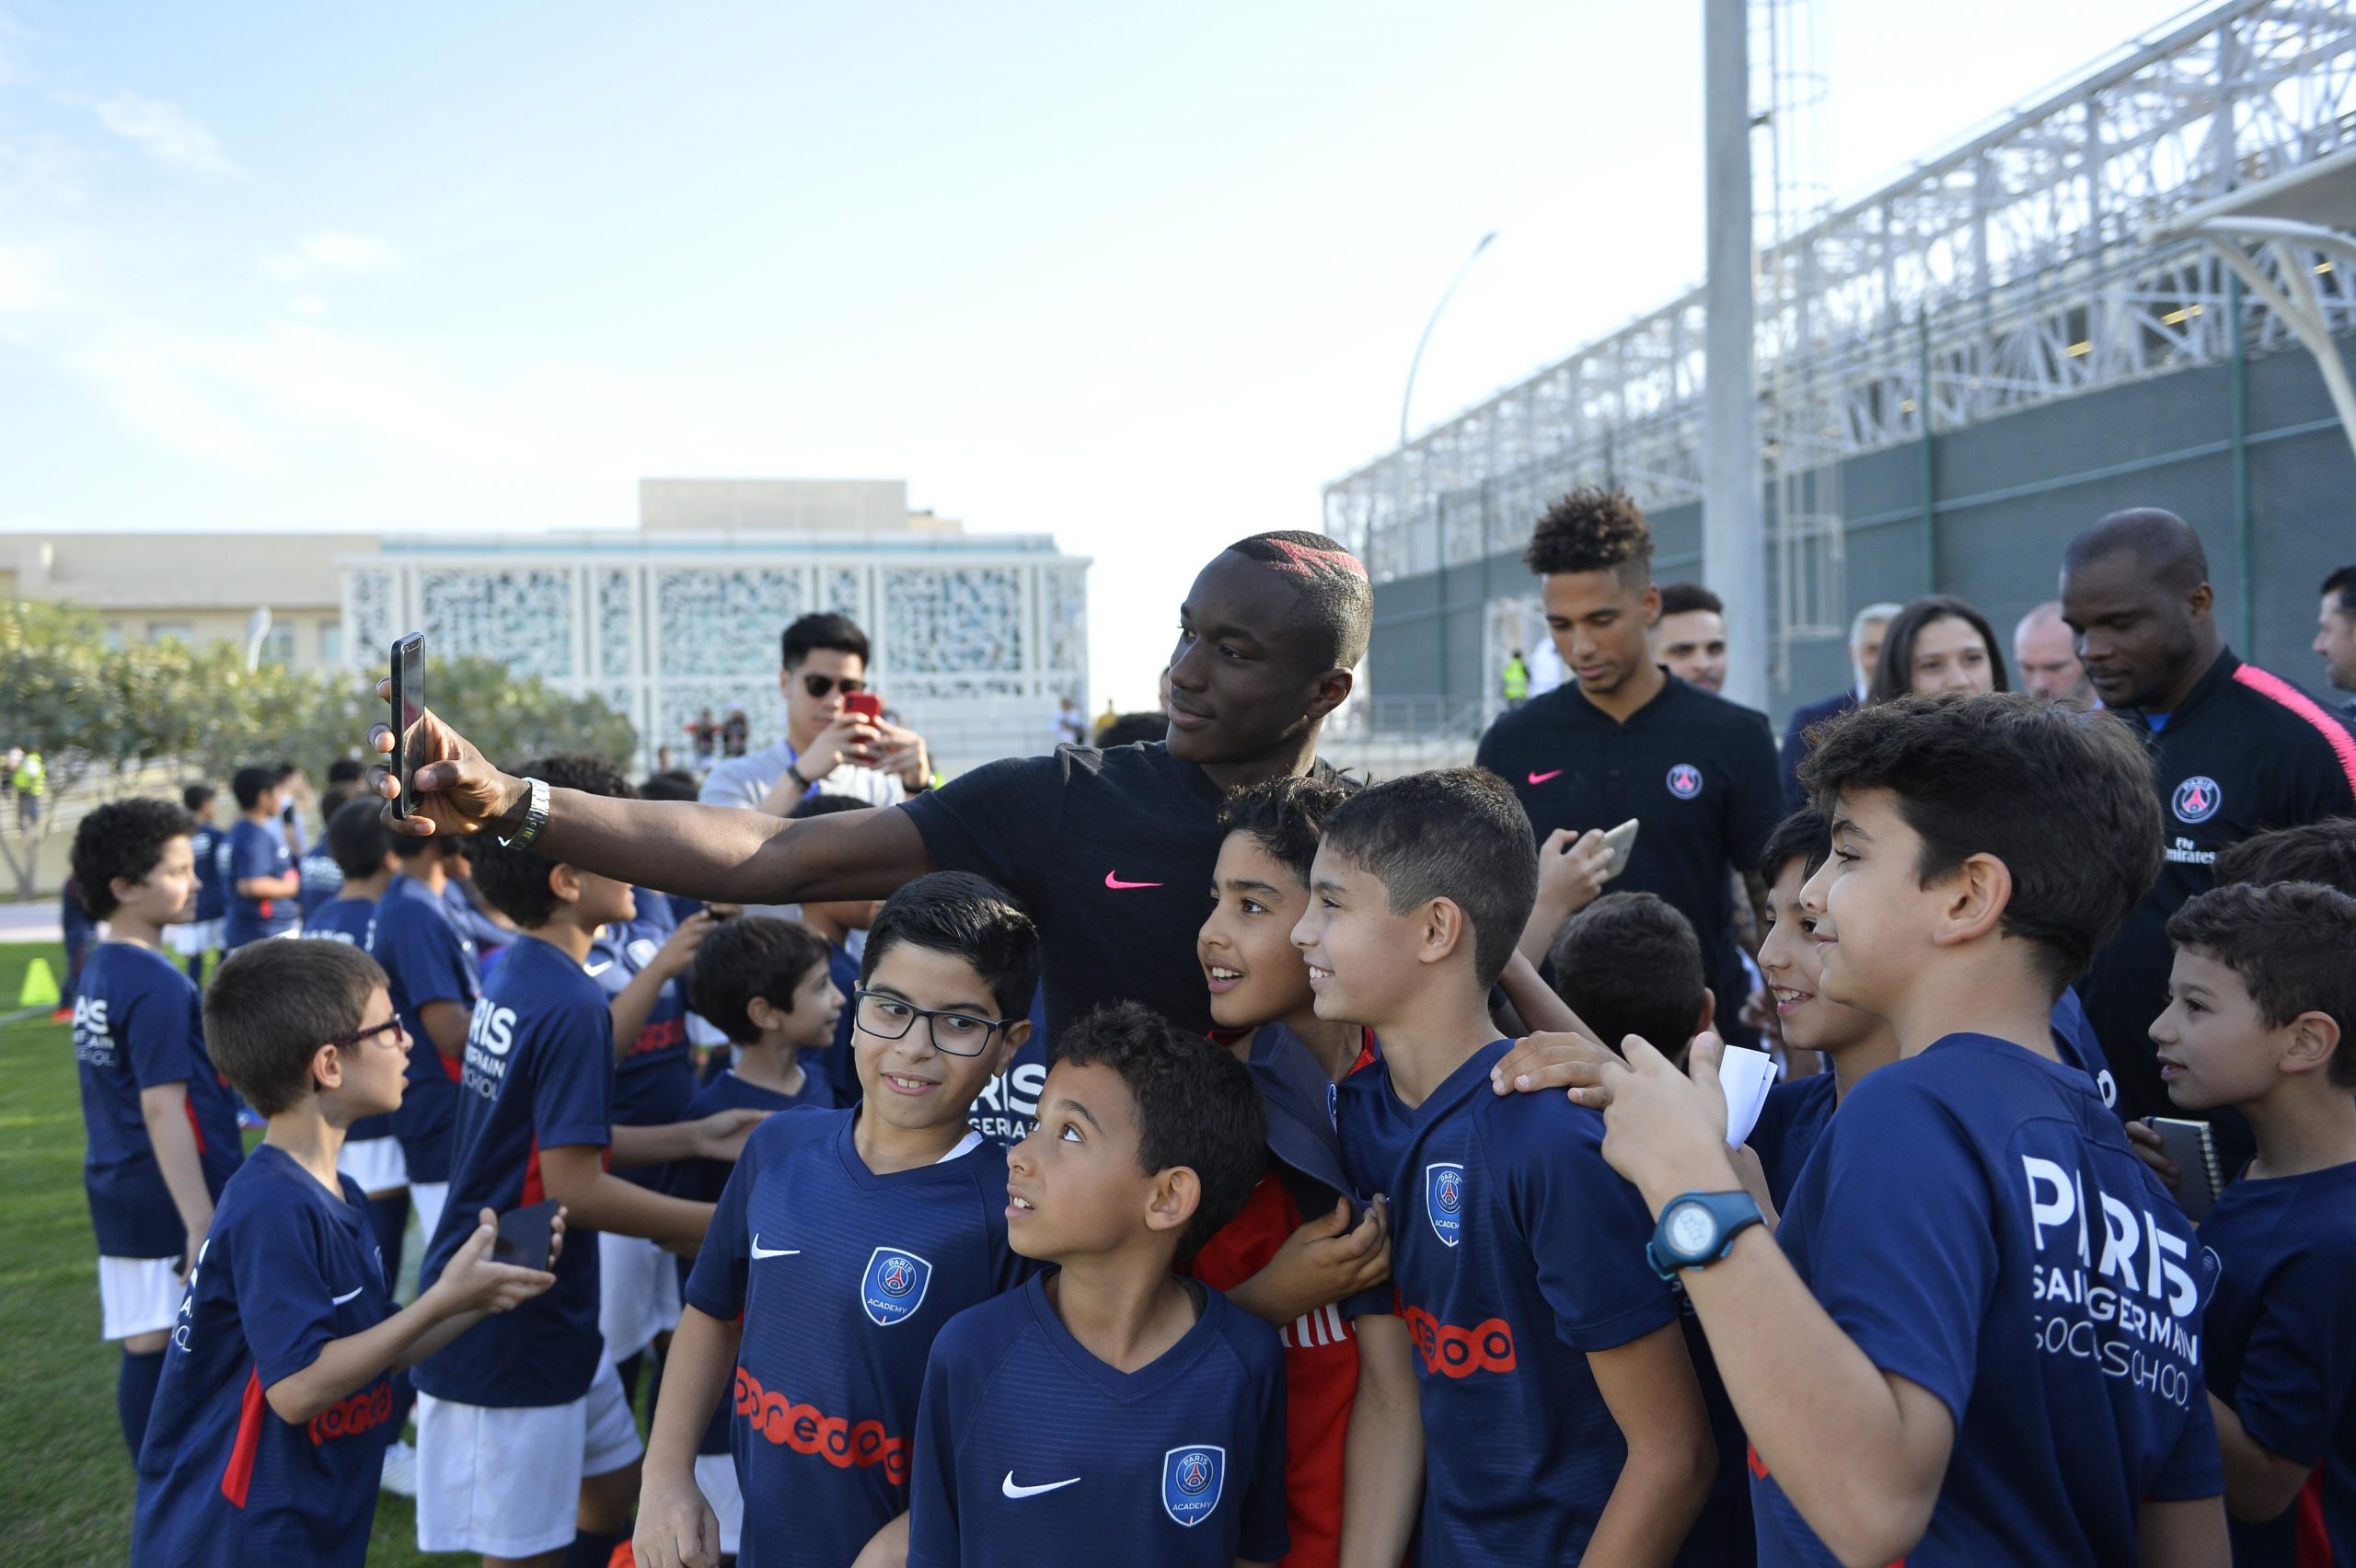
(333, 252)
(169, 132)
(307, 305)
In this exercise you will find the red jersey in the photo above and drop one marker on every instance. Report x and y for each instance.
(1321, 1372)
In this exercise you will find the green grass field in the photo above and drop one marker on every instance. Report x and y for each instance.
(71, 1481)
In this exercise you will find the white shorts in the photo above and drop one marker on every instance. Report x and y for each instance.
(638, 1293)
(425, 1201)
(375, 1163)
(138, 1296)
(716, 1479)
(507, 1483)
(195, 937)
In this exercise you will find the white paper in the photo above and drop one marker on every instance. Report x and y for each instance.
(1745, 1076)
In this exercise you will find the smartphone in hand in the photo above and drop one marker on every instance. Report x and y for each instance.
(866, 704)
(409, 714)
(527, 1237)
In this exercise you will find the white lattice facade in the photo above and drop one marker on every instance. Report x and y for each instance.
(974, 638)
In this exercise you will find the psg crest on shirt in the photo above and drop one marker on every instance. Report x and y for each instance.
(1190, 1480)
(894, 1286)
(1685, 781)
(2197, 799)
(1444, 1202)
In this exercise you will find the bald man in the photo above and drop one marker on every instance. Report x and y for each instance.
(2047, 657)
(2235, 750)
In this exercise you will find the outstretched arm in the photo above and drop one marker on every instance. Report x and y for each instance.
(719, 854)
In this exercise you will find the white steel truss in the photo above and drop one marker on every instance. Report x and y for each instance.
(2014, 268)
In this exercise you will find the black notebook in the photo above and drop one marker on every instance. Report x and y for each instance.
(2192, 1146)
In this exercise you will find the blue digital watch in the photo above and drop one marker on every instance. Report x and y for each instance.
(1698, 1228)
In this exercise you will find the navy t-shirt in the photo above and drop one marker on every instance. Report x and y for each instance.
(538, 1075)
(839, 1062)
(843, 1278)
(1029, 1449)
(211, 844)
(139, 1023)
(257, 849)
(322, 880)
(656, 1078)
(2282, 1350)
(1518, 1252)
(287, 1267)
(1975, 1220)
(1789, 1126)
(428, 960)
(352, 921)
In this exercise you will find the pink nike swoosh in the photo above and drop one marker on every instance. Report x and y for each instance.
(1542, 778)
(1113, 880)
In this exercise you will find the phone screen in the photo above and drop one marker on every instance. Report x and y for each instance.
(409, 712)
(524, 1236)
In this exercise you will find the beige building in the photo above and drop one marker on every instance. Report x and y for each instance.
(974, 636)
(197, 587)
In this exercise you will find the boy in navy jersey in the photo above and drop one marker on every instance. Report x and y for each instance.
(1853, 1043)
(1559, 1415)
(435, 978)
(640, 963)
(277, 1401)
(371, 1153)
(192, 940)
(1302, 1254)
(768, 985)
(162, 1129)
(525, 1414)
(1978, 1338)
(1108, 1411)
(843, 1242)
(2260, 1002)
(259, 870)
(322, 878)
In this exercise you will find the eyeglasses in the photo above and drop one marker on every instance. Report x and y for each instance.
(955, 1033)
(820, 686)
(392, 1026)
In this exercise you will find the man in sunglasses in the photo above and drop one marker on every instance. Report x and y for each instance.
(826, 750)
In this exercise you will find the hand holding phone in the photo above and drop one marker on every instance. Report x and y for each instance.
(408, 701)
(1622, 842)
(866, 704)
(527, 1237)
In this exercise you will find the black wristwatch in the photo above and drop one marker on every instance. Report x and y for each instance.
(1698, 1228)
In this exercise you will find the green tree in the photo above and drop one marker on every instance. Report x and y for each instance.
(100, 716)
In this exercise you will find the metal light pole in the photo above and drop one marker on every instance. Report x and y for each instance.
(1734, 543)
(1440, 540)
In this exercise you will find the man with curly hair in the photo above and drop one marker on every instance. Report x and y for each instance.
(1627, 739)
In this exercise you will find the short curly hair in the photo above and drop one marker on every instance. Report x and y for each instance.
(516, 880)
(1197, 1106)
(752, 955)
(125, 839)
(1593, 529)
(2289, 944)
(1285, 814)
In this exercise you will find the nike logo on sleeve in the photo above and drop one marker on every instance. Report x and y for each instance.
(761, 1251)
(1112, 880)
(1011, 1489)
(1542, 778)
(340, 1300)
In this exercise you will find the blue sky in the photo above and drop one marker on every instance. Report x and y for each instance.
(1142, 277)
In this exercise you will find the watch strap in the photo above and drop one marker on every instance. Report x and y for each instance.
(1732, 1211)
(536, 817)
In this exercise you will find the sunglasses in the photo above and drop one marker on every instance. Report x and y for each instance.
(821, 686)
(390, 1026)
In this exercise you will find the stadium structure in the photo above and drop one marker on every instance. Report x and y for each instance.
(2132, 290)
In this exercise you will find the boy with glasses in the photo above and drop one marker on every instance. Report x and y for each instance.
(841, 1245)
